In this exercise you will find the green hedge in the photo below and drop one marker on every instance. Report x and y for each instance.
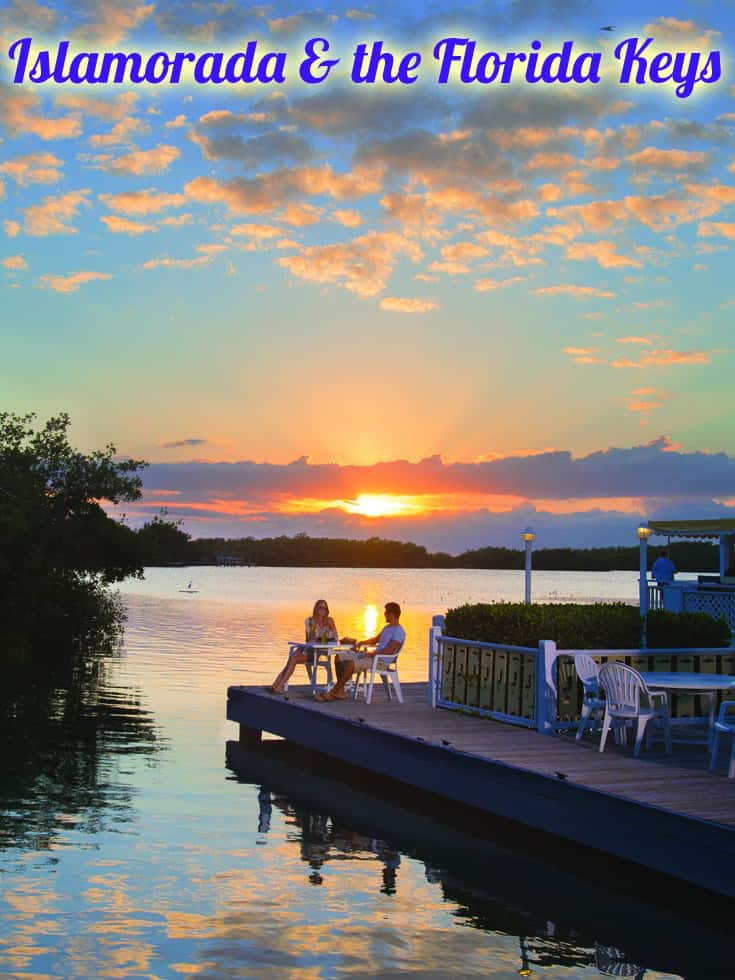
(598, 626)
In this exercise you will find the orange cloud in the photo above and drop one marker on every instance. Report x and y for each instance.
(52, 217)
(140, 162)
(121, 132)
(123, 226)
(488, 285)
(721, 229)
(579, 292)
(261, 232)
(646, 341)
(112, 23)
(70, 284)
(666, 161)
(362, 265)
(396, 304)
(347, 217)
(272, 190)
(19, 114)
(301, 215)
(118, 107)
(603, 252)
(167, 263)
(142, 202)
(16, 263)
(33, 168)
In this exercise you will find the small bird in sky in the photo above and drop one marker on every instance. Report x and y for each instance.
(445, 741)
(361, 720)
(608, 27)
(560, 775)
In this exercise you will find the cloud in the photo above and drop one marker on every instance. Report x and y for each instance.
(114, 108)
(583, 355)
(16, 263)
(720, 229)
(301, 215)
(347, 217)
(142, 202)
(605, 253)
(489, 285)
(395, 304)
(167, 263)
(579, 292)
(652, 471)
(260, 232)
(20, 114)
(140, 162)
(645, 341)
(269, 191)
(253, 152)
(123, 226)
(122, 132)
(307, 22)
(669, 161)
(183, 442)
(52, 217)
(664, 357)
(109, 24)
(70, 284)
(362, 265)
(34, 168)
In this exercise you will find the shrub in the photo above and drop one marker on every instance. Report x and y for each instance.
(599, 626)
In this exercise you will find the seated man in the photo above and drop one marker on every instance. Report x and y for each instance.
(663, 570)
(389, 641)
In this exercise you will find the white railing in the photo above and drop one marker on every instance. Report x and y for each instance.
(522, 685)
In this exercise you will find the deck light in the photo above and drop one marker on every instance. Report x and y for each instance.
(644, 532)
(528, 536)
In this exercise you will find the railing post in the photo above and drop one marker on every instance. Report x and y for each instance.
(546, 694)
(436, 630)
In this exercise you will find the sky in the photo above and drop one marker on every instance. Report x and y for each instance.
(439, 312)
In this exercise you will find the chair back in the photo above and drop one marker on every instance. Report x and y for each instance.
(623, 686)
(589, 674)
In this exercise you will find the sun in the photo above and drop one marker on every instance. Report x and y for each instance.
(382, 505)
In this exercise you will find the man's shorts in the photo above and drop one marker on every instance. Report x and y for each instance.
(360, 661)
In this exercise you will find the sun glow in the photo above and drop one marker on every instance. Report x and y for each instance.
(382, 505)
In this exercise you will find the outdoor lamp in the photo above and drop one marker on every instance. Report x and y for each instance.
(644, 533)
(528, 536)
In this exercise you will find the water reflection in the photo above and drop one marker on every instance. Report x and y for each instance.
(556, 918)
(66, 730)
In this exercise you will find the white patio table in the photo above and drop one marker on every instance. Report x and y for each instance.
(705, 684)
(322, 658)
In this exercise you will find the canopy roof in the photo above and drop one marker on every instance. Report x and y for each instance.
(693, 529)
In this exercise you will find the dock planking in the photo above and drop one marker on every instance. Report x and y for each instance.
(665, 813)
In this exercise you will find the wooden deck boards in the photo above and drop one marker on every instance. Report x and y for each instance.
(665, 812)
(682, 789)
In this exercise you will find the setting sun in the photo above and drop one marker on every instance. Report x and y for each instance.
(382, 505)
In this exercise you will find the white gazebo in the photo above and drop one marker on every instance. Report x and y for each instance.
(712, 594)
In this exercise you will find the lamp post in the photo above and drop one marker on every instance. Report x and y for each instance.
(528, 536)
(644, 533)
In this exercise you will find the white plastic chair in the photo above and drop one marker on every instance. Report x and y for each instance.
(592, 704)
(725, 725)
(629, 699)
(383, 666)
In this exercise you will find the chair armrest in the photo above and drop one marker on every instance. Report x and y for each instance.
(722, 716)
(387, 658)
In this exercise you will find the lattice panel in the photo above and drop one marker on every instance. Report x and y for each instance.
(716, 604)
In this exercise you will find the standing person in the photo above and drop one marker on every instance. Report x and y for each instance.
(663, 570)
(389, 641)
(319, 628)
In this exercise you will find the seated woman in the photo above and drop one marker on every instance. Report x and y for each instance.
(320, 628)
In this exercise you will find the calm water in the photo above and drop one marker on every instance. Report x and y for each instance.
(129, 849)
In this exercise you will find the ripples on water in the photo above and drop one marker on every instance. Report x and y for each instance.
(128, 849)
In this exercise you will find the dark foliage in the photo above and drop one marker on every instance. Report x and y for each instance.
(598, 626)
(59, 547)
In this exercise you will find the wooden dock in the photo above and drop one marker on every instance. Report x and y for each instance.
(660, 813)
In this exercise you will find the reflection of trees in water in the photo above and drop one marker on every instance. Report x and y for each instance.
(63, 728)
(322, 839)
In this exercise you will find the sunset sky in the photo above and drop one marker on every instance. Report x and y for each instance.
(433, 312)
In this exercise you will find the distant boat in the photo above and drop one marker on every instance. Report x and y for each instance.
(188, 590)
